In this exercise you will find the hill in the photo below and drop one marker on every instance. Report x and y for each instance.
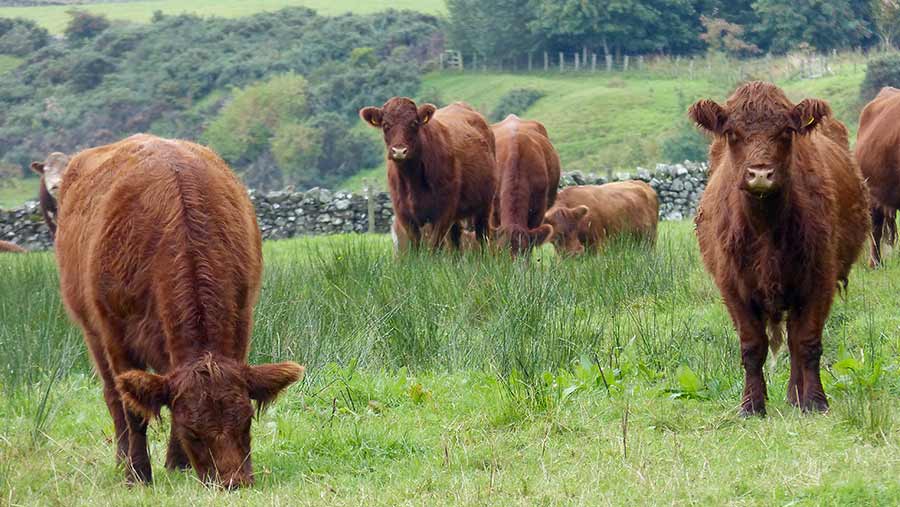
(54, 17)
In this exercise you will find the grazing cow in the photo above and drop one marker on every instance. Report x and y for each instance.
(878, 154)
(51, 172)
(7, 247)
(440, 165)
(528, 170)
(160, 263)
(782, 220)
(588, 216)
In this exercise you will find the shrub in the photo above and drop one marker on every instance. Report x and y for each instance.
(85, 25)
(19, 37)
(687, 143)
(880, 72)
(515, 102)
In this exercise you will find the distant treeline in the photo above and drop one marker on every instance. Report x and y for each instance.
(276, 93)
(506, 30)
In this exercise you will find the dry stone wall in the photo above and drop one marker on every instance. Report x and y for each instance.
(286, 214)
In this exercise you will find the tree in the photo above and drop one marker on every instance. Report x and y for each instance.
(886, 15)
(496, 30)
(84, 25)
(724, 37)
(823, 24)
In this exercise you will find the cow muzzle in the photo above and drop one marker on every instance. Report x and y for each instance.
(760, 180)
(399, 152)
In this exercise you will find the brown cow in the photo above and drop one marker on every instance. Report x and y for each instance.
(590, 215)
(7, 247)
(51, 172)
(781, 222)
(878, 154)
(160, 263)
(528, 170)
(440, 165)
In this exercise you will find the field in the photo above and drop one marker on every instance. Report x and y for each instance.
(16, 191)
(611, 380)
(54, 18)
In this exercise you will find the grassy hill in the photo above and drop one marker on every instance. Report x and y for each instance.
(620, 120)
(54, 18)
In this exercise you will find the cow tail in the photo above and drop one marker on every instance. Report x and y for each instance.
(776, 331)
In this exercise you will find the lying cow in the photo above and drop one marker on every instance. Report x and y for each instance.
(7, 247)
(783, 218)
(586, 217)
(441, 168)
(160, 263)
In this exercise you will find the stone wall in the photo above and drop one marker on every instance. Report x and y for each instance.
(318, 211)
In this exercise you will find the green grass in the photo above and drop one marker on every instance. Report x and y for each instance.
(8, 63)
(55, 19)
(610, 380)
(13, 193)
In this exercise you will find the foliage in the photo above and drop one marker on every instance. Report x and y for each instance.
(19, 37)
(495, 30)
(822, 25)
(84, 25)
(722, 36)
(687, 143)
(515, 102)
(887, 21)
(880, 72)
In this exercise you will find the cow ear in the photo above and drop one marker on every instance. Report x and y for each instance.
(143, 393)
(426, 111)
(539, 235)
(709, 116)
(371, 115)
(265, 381)
(808, 113)
(38, 167)
(580, 212)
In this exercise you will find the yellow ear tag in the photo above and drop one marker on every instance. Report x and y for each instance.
(374, 122)
(810, 122)
(426, 120)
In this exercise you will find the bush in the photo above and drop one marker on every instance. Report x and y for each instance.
(19, 37)
(688, 143)
(515, 102)
(85, 25)
(880, 72)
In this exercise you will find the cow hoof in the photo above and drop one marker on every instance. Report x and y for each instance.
(815, 406)
(748, 412)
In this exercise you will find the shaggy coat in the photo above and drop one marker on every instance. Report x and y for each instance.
(782, 220)
(160, 263)
(441, 167)
(878, 154)
(7, 247)
(51, 172)
(590, 215)
(528, 170)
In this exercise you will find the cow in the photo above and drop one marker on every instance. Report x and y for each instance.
(780, 224)
(440, 165)
(7, 247)
(160, 262)
(528, 173)
(51, 171)
(878, 155)
(588, 216)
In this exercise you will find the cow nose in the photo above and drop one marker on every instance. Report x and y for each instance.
(399, 152)
(760, 178)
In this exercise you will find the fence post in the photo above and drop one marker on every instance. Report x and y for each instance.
(626, 63)
(609, 63)
(442, 61)
(530, 55)
(691, 70)
(576, 62)
(641, 63)
(546, 62)
(562, 61)
(593, 62)
(475, 61)
(370, 205)
(584, 54)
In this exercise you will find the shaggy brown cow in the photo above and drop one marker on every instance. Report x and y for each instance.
(7, 247)
(782, 220)
(878, 154)
(160, 262)
(440, 166)
(589, 215)
(528, 170)
(51, 172)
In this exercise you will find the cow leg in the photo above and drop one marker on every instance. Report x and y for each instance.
(805, 341)
(439, 231)
(877, 231)
(481, 224)
(455, 235)
(754, 346)
(795, 383)
(176, 459)
(110, 394)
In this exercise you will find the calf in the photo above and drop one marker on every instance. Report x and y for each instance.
(440, 165)
(51, 172)
(528, 169)
(160, 263)
(7, 247)
(588, 216)
(782, 220)
(878, 154)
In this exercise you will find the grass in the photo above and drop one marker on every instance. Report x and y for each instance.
(610, 380)
(15, 192)
(8, 63)
(55, 19)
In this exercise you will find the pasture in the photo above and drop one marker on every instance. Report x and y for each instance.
(54, 17)
(470, 380)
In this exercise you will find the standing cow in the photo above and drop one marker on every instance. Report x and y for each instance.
(878, 154)
(587, 216)
(528, 170)
(51, 172)
(783, 218)
(160, 263)
(440, 165)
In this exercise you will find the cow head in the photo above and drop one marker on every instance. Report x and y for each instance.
(51, 172)
(759, 126)
(520, 240)
(565, 226)
(400, 120)
(210, 401)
